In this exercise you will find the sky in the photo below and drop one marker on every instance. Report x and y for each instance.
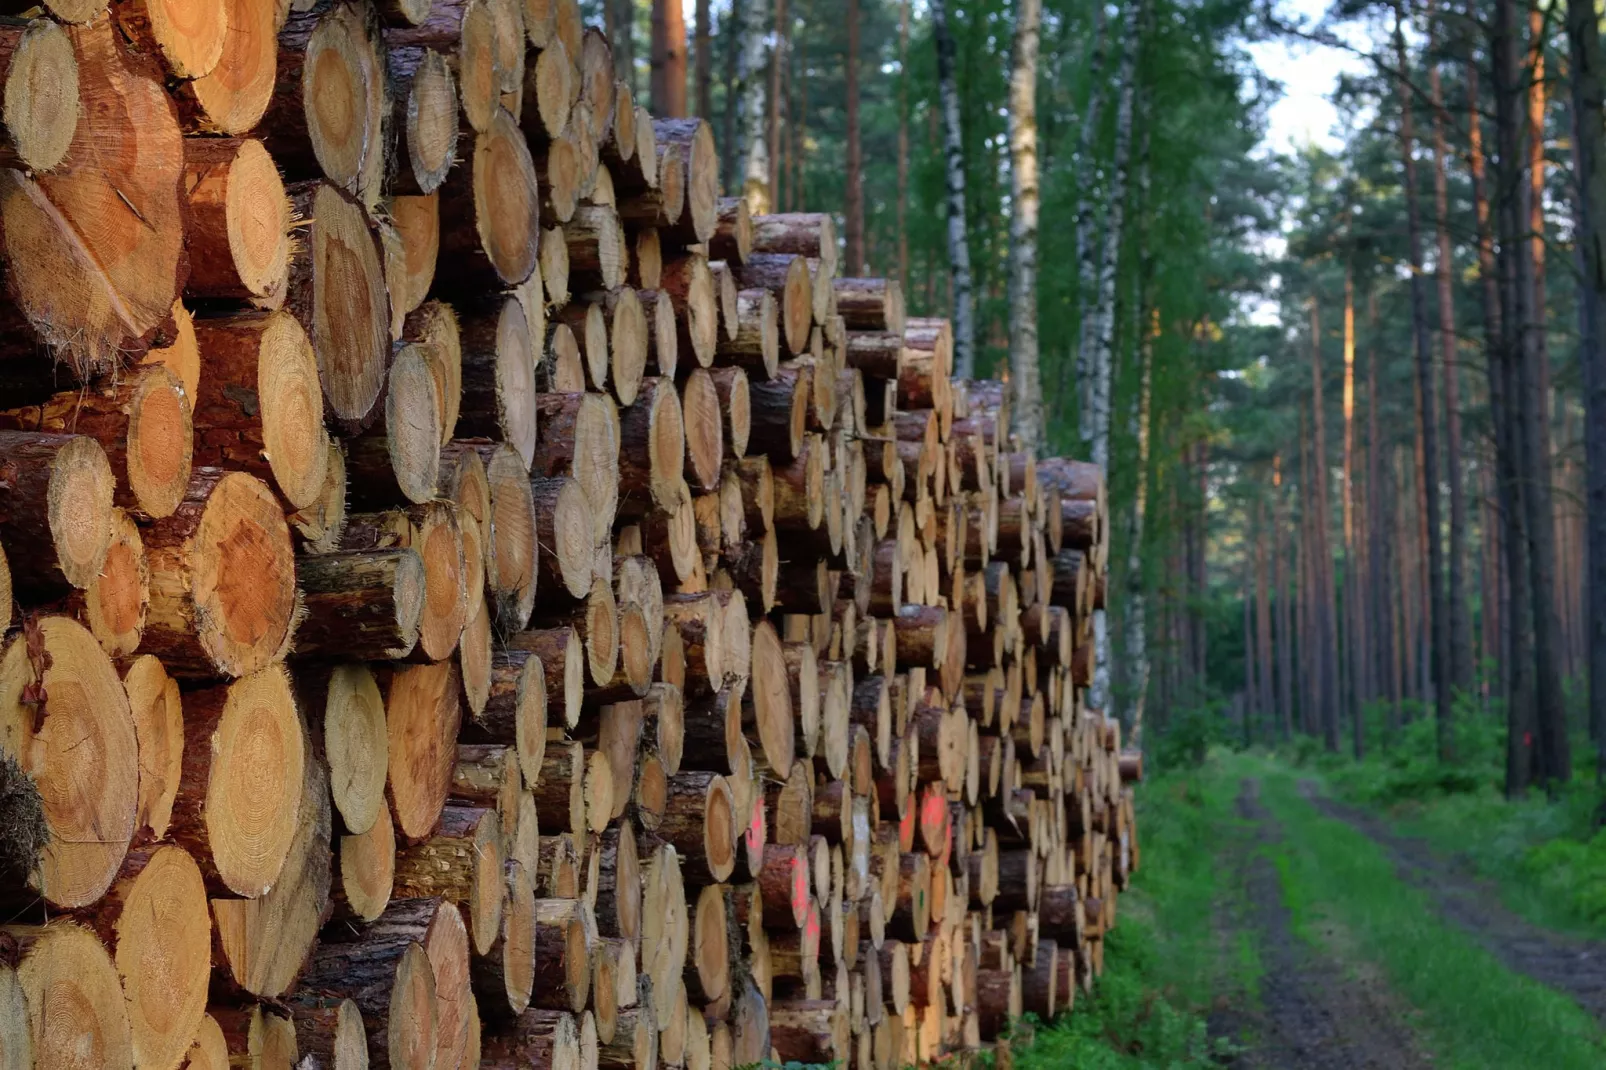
(1308, 74)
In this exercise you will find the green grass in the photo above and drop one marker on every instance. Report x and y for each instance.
(1547, 855)
(1472, 1011)
(1164, 963)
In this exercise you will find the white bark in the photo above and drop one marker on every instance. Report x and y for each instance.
(1102, 359)
(754, 75)
(1025, 378)
(964, 317)
(1082, 182)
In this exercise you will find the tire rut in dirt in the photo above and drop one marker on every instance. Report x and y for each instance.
(1572, 966)
(1313, 1014)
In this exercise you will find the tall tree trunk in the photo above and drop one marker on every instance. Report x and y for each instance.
(1460, 663)
(1097, 341)
(1379, 590)
(1283, 583)
(1250, 702)
(1268, 703)
(953, 150)
(1438, 623)
(1589, 213)
(903, 142)
(1309, 591)
(705, 62)
(668, 58)
(1555, 756)
(853, 197)
(732, 41)
(1083, 175)
(1505, 404)
(779, 56)
(755, 115)
(1497, 528)
(1025, 379)
(1353, 642)
(1326, 637)
(620, 19)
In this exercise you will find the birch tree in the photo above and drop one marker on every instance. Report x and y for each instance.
(964, 313)
(754, 116)
(1025, 378)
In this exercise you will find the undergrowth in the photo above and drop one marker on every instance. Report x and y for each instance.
(1546, 853)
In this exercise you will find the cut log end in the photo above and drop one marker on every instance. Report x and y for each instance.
(41, 95)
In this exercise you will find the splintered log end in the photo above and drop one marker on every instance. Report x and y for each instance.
(153, 698)
(41, 93)
(76, 1011)
(80, 749)
(119, 181)
(321, 523)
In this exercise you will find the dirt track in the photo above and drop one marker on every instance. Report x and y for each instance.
(1313, 1013)
(1575, 967)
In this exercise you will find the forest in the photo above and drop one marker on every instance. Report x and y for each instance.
(1350, 393)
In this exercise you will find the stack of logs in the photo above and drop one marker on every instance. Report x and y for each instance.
(487, 599)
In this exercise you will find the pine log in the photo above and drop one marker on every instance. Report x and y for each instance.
(579, 437)
(498, 375)
(338, 294)
(39, 127)
(787, 278)
(367, 869)
(266, 941)
(490, 211)
(652, 445)
(239, 229)
(76, 1010)
(423, 712)
(689, 283)
(92, 310)
(705, 429)
(361, 604)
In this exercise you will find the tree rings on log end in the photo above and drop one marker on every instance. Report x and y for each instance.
(164, 955)
(119, 596)
(83, 755)
(242, 576)
(354, 745)
(76, 1011)
(255, 759)
(431, 121)
(507, 199)
(40, 108)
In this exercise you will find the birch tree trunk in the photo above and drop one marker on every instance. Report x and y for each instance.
(903, 143)
(732, 28)
(1137, 651)
(853, 196)
(779, 55)
(1082, 182)
(754, 115)
(1025, 377)
(964, 317)
(1098, 336)
(1589, 212)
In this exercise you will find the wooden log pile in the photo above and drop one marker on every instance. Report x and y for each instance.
(488, 600)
